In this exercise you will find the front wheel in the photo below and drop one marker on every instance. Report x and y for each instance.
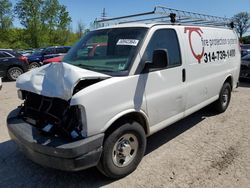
(224, 98)
(34, 65)
(13, 73)
(123, 150)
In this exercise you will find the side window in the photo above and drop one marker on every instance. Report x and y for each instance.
(66, 49)
(60, 51)
(49, 51)
(164, 39)
(7, 54)
(2, 55)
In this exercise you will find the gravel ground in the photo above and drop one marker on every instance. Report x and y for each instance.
(203, 150)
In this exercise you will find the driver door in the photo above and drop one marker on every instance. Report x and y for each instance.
(165, 88)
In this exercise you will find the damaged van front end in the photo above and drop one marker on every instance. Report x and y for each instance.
(68, 107)
(47, 128)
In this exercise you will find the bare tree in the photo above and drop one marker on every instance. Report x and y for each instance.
(242, 22)
(80, 29)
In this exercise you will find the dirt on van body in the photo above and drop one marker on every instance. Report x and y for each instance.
(203, 150)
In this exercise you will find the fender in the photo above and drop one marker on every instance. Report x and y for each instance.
(123, 113)
(229, 76)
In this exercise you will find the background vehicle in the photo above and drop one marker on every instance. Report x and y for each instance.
(12, 64)
(97, 49)
(36, 59)
(245, 67)
(26, 52)
(245, 49)
(93, 50)
(53, 60)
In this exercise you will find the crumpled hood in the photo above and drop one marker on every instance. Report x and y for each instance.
(55, 79)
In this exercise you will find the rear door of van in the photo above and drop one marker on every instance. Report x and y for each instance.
(165, 88)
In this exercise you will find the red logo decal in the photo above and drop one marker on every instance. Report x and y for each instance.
(190, 30)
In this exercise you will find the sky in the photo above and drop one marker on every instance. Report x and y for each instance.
(87, 10)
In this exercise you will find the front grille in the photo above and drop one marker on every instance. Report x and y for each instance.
(52, 116)
(51, 109)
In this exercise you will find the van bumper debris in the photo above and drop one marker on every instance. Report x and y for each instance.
(54, 152)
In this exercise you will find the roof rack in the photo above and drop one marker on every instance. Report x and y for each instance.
(167, 15)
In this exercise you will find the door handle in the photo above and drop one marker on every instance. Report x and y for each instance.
(183, 75)
(5, 60)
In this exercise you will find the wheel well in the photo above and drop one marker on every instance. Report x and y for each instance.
(128, 118)
(230, 81)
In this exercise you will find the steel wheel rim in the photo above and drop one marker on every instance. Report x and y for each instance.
(225, 97)
(125, 150)
(33, 65)
(15, 73)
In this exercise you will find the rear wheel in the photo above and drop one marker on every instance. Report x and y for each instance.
(123, 150)
(224, 98)
(34, 65)
(13, 73)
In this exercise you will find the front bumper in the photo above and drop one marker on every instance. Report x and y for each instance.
(52, 151)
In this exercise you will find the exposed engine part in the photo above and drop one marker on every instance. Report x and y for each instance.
(53, 116)
(85, 83)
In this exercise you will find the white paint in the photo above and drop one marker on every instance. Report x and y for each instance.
(161, 96)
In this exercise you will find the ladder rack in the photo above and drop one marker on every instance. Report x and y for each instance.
(162, 14)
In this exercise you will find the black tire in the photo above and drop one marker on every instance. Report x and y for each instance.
(224, 98)
(34, 65)
(14, 72)
(108, 164)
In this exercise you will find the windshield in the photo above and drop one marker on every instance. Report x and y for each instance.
(107, 51)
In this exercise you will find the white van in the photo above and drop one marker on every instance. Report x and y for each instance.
(120, 85)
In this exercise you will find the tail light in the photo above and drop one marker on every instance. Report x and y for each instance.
(23, 58)
(45, 62)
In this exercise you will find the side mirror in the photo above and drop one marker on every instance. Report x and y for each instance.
(160, 60)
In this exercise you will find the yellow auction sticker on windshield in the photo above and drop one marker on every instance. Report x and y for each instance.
(128, 42)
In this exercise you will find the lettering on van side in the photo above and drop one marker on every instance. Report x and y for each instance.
(218, 55)
(209, 43)
(197, 30)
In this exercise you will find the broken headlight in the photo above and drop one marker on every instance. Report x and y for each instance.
(73, 124)
(20, 94)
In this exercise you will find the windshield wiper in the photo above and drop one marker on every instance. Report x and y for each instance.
(93, 68)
